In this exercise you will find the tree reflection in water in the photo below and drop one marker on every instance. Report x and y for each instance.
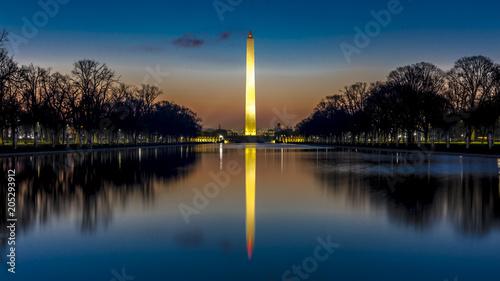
(416, 190)
(89, 185)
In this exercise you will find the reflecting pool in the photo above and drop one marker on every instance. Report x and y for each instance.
(253, 212)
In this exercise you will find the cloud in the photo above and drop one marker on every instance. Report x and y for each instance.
(224, 35)
(189, 40)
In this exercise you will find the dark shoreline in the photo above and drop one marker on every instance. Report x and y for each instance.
(476, 150)
(48, 149)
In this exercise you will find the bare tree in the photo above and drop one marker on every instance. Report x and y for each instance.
(94, 84)
(145, 97)
(59, 104)
(472, 84)
(33, 95)
(472, 80)
(122, 92)
(4, 37)
(421, 77)
(8, 94)
(421, 87)
(90, 100)
(355, 97)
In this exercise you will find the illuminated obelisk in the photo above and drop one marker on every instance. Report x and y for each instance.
(250, 164)
(250, 122)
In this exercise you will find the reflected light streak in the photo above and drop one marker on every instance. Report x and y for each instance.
(282, 160)
(250, 164)
(220, 156)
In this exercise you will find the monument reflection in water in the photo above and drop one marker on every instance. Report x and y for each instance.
(250, 163)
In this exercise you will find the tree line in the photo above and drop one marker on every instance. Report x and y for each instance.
(415, 100)
(88, 105)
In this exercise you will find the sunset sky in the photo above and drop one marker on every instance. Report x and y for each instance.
(297, 46)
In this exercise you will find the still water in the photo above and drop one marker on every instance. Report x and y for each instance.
(253, 212)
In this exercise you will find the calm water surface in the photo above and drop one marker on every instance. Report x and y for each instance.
(253, 212)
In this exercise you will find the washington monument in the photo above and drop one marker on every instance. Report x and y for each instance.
(250, 122)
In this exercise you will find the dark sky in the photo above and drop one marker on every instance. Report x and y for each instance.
(198, 52)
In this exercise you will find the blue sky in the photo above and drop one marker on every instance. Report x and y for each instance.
(298, 55)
